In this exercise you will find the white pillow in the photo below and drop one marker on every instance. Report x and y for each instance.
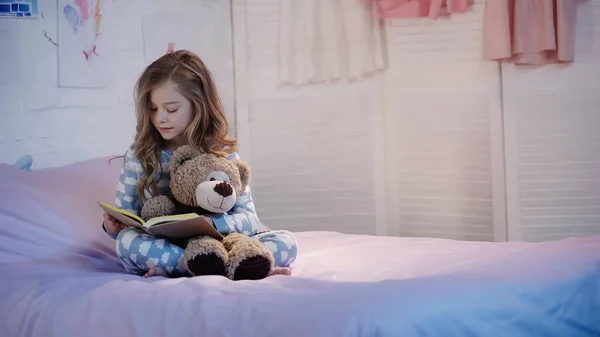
(53, 211)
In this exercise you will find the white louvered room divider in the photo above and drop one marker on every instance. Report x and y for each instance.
(553, 141)
(441, 144)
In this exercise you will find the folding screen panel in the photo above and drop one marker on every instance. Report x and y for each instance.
(315, 151)
(444, 131)
(552, 132)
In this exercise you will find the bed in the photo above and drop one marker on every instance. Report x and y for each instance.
(59, 277)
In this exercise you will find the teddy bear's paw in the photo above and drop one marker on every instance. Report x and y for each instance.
(207, 264)
(252, 268)
(205, 256)
(157, 206)
(249, 259)
(232, 239)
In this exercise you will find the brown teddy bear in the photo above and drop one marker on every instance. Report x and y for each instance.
(205, 183)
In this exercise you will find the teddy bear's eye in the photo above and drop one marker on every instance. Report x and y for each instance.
(218, 176)
(183, 161)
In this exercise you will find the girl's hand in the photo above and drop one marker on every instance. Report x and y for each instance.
(112, 225)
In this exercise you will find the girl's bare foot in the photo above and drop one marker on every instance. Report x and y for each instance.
(281, 271)
(155, 271)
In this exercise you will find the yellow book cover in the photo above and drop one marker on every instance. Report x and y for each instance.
(179, 226)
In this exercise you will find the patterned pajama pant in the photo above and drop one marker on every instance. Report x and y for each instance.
(139, 251)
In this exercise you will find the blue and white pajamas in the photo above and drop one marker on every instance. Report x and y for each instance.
(139, 251)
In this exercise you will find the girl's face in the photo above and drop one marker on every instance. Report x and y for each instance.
(171, 113)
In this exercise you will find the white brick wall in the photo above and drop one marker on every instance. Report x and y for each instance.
(40, 119)
(56, 125)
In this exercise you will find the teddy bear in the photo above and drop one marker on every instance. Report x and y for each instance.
(205, 183)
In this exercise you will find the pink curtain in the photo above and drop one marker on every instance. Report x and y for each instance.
(419, 8)
(529, 31)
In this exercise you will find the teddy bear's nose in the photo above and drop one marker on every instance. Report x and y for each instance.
(224, 189)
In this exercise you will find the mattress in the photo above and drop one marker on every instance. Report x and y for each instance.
(60, 277)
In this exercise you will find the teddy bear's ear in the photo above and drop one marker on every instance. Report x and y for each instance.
(244, 172)
(181, 154)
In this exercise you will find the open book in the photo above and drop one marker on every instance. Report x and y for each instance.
(180, 226)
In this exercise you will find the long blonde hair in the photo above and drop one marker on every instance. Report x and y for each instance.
(208, 130)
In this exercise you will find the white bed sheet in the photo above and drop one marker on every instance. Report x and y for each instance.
(60, 278)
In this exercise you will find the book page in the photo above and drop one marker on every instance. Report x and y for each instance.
(179, 226)
(170, 218)
(185, 229)
(127, 220)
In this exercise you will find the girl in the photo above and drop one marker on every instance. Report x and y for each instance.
(177, 103)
